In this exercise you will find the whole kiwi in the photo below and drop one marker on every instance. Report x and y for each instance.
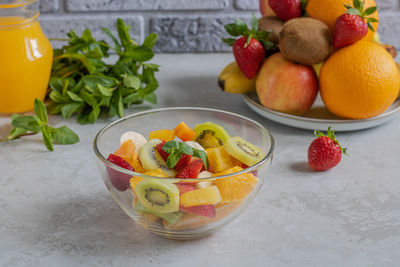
(305, 40)
(273, 24)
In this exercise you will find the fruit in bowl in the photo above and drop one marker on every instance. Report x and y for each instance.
(183, 173)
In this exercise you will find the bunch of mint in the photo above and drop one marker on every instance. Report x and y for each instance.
(83, 83)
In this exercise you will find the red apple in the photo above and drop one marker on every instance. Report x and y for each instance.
(286, 86)
(265, 9)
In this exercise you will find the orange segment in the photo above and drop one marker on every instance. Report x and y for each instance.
(127, 152)
(219, 159)
(136, 179)
(235, 188)
(204, 196)
(184, 132)
(164, 134)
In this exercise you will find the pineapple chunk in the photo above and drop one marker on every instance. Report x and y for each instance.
(219, 159)
(204, 196)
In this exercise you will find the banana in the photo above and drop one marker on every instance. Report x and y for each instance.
(196, 145)
(204, 184)
(137, 139)
(232, 80)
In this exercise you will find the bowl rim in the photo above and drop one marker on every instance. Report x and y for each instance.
(138, 114)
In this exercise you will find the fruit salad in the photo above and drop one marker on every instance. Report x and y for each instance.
(183, 190)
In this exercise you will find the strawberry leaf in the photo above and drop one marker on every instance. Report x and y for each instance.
(353, 11)
(372, 20)
(241, 27)
(254, 23)
(356, 4)
(370, 26)
(369, 11)
(232, 29)
(229, 41)
(267, 44)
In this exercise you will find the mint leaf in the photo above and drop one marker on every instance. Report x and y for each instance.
(150, 40)
(131, 81)
(15, 133)
(173, 158)
(69, 109)
(40, 110)
(185, 148)
(105, 91)
(170, 145)
(141, 53)
(47, 137)
(64, 136)
(151, 98)
(29, 123)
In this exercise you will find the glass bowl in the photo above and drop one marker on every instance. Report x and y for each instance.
(237, 189)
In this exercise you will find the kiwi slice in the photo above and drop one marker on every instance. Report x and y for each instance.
(152, 160)
(157, 195)
(209, 134)
(243, 151)
(171, 217)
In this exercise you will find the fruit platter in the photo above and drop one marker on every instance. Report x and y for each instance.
(188, 178)
(314, 64)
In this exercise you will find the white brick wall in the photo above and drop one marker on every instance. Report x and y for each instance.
(182, 25)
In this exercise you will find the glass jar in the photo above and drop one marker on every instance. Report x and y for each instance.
(26, 56)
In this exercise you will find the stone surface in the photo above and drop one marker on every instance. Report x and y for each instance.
(47, 6)
(56, 211)
(385, 4)
(389, 29)
(191, 33)
(106, 5)
(57, 27)
(247, 4)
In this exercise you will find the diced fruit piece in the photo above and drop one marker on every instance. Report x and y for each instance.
(128, 152)
(203, 210)
(235, 188)
(205, 196)
(157, 195)
(204, 174)
(192, 170)
(184, 188)
(151, 159)
(244, 151)
(209, 134)
(219, 159)
(190, 220)
(183, 161)
(184, 132)
(165, 134)
(137, 139)
(171, 217)
(136, 179)
(119, 180)
(286, 9)
(195, 145)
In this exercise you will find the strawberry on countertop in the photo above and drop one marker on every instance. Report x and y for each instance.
(249, 50)
(353, 25)
(324, 152)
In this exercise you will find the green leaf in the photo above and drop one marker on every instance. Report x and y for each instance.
(54, 108)
(105, 91)
(185, 148)
(241, 27)
(151, 66)
(369, 10)
(40, 110)
(64, 136)
(117, 46)
(254, 23)
(69, 109)
(150, 40)
(16, 133)
(170, 145)
(47, 137)
(74, 97)
(83, 118)
(267, 44)
(229, 41)
(201, 155)
(151, 98)
(232, 30)
(150, 88)
(140, 53)
(94, 114)
(91, 81)
(173, 158)
(57, 84)
(87, 36)
(95, 51)
(29, 123)
(353, 11)
(89, 99)
(372, 20)
(131, 81)
(57, 97)
(123, 33)
(356, 4)
(118, 104)
(370, 26)
(133, 99)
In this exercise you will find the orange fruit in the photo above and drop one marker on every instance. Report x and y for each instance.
(235, 188)
(359, 81)
(127, 152)
(329, 10)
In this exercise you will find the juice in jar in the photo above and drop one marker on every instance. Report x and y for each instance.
(26, 58)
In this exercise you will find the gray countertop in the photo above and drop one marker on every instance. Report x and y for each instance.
(56, 211)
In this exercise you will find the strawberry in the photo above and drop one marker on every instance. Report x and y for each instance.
(249, 49)
(353, 25)
(203, 210)
(324, 152)
(286, 9)
(119, 180)
(183, 161)
(248, 56)
(191, 170)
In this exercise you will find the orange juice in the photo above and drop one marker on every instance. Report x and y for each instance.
(25, 63)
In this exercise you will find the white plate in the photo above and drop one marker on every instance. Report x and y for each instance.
(318, 117)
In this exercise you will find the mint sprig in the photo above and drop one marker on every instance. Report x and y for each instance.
(29, 125)
(240, 28)
(82, 83)
(358, 10)
(176, 149)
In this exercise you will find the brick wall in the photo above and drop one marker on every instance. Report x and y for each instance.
(182, 25)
